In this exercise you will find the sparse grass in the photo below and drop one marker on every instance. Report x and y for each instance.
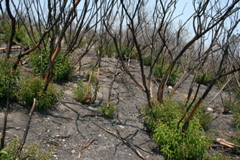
(91, 75)
(237, 139)
(30, 152)
(236, 116)
(108, 109)
(208, 77)
(83, 92)
(217, 156)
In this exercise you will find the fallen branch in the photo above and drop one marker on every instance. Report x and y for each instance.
(61, 137)
(228, 134)
(29, 71)
(81, 148)
(27, 128)
(225, 143)
(131, 145)
(15, 47)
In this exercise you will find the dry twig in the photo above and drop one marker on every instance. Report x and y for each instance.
(131, 145)
(82, 147)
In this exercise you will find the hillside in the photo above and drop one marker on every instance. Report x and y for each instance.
(79, 131)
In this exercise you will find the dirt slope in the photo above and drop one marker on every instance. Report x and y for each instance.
(70, 125)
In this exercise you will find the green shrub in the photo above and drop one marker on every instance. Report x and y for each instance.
(108, 109)
(236, 115)
(127, 53)
(19, 33)
(40, 61)
(163, 122)
(107, 50)
(30, 152)
(232, 84)
(82, 44)
(92, 73)
(206, 80)
(237, 139)
(160, 70)
(32, 87)
(205, 120)
(1, 38)
(93, 77)
(175, 145)
(83, 92)
(5, 76)
(20, 36)
(234, 107)
(147, 61)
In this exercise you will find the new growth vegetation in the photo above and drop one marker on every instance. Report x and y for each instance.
(43, 45)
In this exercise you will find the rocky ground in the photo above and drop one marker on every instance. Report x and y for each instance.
(78, 131)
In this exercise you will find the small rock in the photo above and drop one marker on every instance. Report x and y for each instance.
(121, 126)
(73, 151)
(209, 109)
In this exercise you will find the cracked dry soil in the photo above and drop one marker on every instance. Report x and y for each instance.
(78, 131)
